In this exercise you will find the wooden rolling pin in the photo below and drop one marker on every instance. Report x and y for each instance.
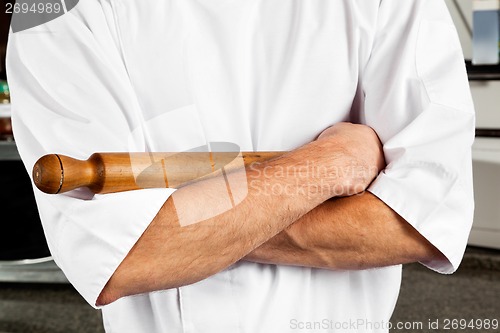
(116, 172)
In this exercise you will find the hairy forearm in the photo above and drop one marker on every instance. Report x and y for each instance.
(356, 232)
(198, 233)
(189, 241)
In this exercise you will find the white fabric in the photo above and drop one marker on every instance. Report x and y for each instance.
(166, 75)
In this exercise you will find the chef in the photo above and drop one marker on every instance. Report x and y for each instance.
(370, 97)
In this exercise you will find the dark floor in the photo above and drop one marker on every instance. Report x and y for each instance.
(46, 308)
(473, 292)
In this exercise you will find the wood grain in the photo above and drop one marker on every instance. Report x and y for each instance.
(117, 172)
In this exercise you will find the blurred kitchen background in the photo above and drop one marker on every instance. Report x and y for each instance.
(36, 297)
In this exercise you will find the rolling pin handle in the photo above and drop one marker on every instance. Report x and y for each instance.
(48, 174)
(54, 173)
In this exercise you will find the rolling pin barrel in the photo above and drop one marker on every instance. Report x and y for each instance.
(117, 172)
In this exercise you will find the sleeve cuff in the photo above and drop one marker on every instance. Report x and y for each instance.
(442, 213)
(90, 250)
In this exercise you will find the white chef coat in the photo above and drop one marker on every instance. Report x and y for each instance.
(169, 75)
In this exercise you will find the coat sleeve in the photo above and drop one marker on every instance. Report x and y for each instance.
(71, 95)
(417, 98)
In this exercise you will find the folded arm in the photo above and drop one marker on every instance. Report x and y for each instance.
(356, 232)
(173, 253)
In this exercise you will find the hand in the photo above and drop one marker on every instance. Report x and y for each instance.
(364, 156)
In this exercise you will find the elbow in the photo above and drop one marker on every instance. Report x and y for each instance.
(106, 296)
(120, 286)
(422, 250)
(111, 292)
(430, 253)
(130, 279)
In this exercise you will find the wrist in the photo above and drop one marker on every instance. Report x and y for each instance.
(300, 174)
(353, 165)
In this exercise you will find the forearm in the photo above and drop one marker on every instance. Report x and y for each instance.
(357, 232)
(185, 243)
